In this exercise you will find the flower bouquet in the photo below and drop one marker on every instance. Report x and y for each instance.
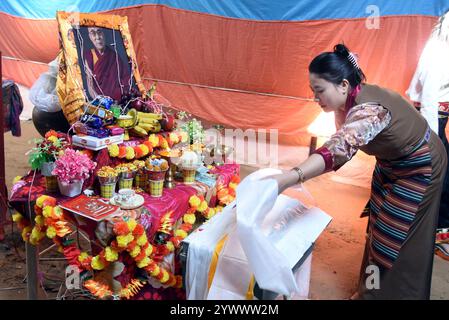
(71, 169)
(43, 156)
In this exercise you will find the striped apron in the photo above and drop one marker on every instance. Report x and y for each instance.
(398, 188)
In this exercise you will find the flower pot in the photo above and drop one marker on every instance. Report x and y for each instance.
(47, 168)
(70, 189)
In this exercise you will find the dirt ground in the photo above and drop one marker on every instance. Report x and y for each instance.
(336, 258)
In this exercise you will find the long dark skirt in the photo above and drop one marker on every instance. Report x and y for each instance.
(404, 204)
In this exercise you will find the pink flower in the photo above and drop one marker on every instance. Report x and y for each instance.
(73, 165)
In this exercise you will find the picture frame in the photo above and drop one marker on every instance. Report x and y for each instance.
(97, 57)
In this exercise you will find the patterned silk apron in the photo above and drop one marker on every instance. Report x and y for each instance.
(398, 188)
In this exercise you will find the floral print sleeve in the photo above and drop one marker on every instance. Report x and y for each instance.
(363, 123)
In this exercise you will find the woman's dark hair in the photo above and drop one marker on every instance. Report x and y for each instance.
(338, 65)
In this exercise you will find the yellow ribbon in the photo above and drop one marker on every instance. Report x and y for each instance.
(213, 267)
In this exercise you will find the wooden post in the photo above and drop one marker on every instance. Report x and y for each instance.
(32, 258)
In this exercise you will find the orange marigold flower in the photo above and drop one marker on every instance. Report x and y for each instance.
(121, 228)
(138, 230)
(140, 256)
(131, 245)
(51, 133)
(176, 241)
(138, 152)
(122, 151)
(186, 227)
(161, 274)
(148, 145)
(50, 201)
(235, 179)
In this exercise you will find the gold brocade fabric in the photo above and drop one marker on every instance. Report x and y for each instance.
(69, 83)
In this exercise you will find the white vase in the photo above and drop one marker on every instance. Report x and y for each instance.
(70, 189)
(47, 168)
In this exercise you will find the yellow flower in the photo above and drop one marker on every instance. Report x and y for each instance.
(130, 154)
(16, 179)
(25, 233)
(232, 185)
(154, 140)
(53, 139)
(155, 272)
(144, 149)
(210, 213)
(189, 218)
(165, 276)
(47, 211)
(96, 263)
(142, 240)
(40, 200)
(203, 206)
(113, 150)
(143, 263)
(135, 252)
(17, 217)
(83, 256)
(110, 254)
(170, 246)
(51, 232)
(164, 144)
(180, 233)
(131, 225)
(149, 250)
(194, 201)
(36, 236)
(39, 220)
(123, 241)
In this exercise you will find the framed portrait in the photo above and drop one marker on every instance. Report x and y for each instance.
(97, 58)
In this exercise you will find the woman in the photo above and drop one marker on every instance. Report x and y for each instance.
(407, 179)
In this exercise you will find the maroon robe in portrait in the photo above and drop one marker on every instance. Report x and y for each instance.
(105, 68)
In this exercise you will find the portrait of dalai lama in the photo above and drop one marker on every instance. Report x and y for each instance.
(105, 71)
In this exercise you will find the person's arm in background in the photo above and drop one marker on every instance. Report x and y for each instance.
(362, 125)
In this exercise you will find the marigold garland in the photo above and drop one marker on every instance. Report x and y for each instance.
(154, 141)
(49, 221)
(130, 237)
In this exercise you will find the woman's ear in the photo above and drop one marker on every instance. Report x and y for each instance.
(344, 86)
